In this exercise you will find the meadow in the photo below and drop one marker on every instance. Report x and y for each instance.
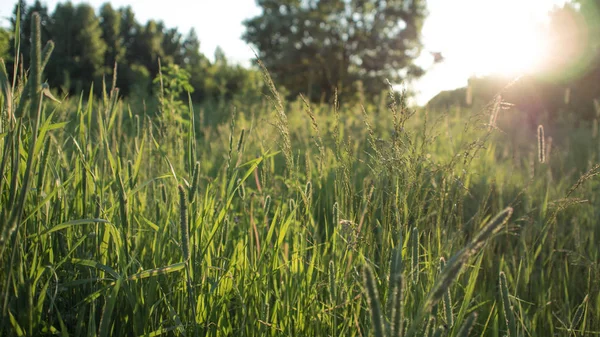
(286, 218)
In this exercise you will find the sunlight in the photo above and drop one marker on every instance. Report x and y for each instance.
(512, 50)
(478, 38)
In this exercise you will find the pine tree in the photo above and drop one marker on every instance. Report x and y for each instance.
(110, 23)
(91, 47)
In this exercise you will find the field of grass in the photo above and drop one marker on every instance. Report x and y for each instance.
(291, 219)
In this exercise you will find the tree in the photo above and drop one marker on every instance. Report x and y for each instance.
(61, 67)
(148, 46)
(568, 38)
(220, 58)
(224, 79)
(566, 84)
(87, 46)
(196, 64)
(317, 46)
(90, 44)
(130, 29)
(79, 54)
(110, 23)
(25, 30)
(172, 45)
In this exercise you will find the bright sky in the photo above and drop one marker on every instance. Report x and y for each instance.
(478, 37)
(475, 36)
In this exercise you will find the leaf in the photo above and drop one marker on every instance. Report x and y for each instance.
(17, 328)
(157, 271)
(97, 265)
(70, 224)
(109, 306)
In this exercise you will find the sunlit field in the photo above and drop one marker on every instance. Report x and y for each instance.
(261, 216)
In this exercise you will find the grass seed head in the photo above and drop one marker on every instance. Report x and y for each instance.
(183, 225)
(509, 314)
(373, 301)
(465, 329)
(540, 139)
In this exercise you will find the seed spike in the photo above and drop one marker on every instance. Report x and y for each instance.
(183, 225)
(540, 138)
(374, 302)
(509, 314)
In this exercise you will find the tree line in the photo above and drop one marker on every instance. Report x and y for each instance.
(88, 45)
(315, 48)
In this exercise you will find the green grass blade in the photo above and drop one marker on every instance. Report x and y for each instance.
(509, 314)
(370, 289)
(156, 272)
(111, 300)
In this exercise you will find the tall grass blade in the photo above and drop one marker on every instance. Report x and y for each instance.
(465, 329)
(509, 314)
(370, 287)
(396, 291)
(577, 318)
(183, 225)
(447, 300)
(111, 300)
(414, 239)
(455, 264)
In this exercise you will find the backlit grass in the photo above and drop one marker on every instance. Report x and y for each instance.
(290, 219)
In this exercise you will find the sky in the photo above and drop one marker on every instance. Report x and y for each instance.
(476, 37)
(481, 37)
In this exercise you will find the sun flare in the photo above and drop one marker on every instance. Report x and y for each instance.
(509, 38)
(514, 50)
(506, 38)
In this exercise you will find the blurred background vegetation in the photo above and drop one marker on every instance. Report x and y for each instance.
(312, 48)
(90, 43)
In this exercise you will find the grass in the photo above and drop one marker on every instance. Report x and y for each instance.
(381, 220)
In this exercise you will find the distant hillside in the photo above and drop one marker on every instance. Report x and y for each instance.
(532, 95)
(448, 99)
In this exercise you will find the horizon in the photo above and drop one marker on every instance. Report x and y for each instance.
(467, 51)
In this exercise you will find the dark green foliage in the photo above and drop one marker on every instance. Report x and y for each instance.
(88, 45)
(110, 23)
(4, 43)
(148, 46)
(89, 48)
(317, 47)
(25, 32)
(79, 54)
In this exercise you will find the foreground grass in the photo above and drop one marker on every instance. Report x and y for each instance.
(290, 220)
